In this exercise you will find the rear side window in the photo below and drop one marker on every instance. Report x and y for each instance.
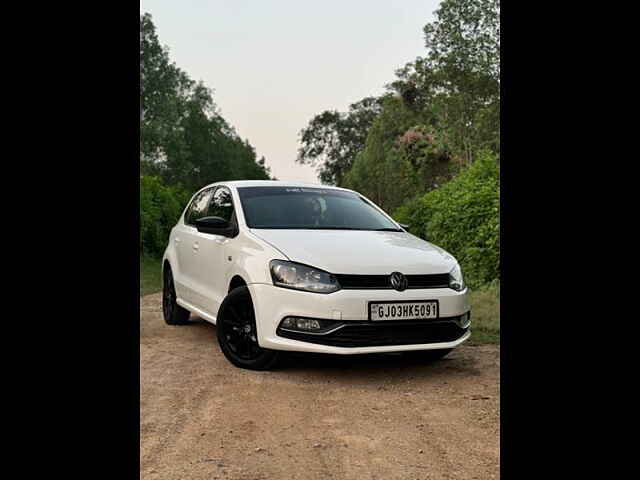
(221, 205)
(198, 207)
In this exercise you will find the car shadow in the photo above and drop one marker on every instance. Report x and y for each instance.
(383, 362)
(398, 364)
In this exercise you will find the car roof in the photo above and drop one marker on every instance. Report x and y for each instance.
(275, 183)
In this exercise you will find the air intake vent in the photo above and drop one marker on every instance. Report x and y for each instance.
(377, 334)
(383, 282)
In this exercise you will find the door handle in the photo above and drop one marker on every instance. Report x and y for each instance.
(196, 246)
(177, 240)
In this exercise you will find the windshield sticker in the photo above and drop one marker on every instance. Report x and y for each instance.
(307, 190)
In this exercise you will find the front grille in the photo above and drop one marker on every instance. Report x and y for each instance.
(383, 282)
(378, 334)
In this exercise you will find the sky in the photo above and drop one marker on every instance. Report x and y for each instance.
(275, 64)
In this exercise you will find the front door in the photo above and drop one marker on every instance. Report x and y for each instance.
(185, 238)
(212, 268)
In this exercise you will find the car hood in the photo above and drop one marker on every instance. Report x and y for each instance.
(359, 252)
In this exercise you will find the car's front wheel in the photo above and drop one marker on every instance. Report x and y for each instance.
(237, 334)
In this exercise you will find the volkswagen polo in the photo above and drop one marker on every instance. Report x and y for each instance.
(281, 266)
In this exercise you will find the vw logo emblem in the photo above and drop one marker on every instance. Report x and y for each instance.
(399, 281)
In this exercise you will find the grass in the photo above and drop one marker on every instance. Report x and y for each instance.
(150, 281)
(485, 302)
(485, 315)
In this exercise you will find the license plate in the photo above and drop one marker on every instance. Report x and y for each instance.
(412, 310)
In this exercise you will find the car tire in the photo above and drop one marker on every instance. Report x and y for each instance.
(429, 355)
(173, 313)
(237, 335)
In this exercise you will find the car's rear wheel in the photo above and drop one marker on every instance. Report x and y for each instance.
(173, 313)
(429, 355)
(237, 334)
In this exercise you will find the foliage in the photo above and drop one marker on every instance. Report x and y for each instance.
(160, 208)
(457, 84)
(164, 90)
(462, 217)
(429, 156)
(402, 157)
(332, 139)
(150, 275)
(466, 36)
(183, 138)
(380, 171)
(485, 314)
(440, 111)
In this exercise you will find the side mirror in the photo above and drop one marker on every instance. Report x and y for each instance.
(215, 225)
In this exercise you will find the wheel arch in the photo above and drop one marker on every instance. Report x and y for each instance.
(168, 259)
(235, 282)
(165, 264)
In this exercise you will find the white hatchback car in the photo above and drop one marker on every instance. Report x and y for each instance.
(299, 267)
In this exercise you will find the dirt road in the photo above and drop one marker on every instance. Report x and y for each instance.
(381, 417)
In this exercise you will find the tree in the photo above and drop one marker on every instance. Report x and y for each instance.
(183, 138)
(164, 90)
(380, 171)
(441, 110)
(332, 139)
(466, 37)
(457, 84)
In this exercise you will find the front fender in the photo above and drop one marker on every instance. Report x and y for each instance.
(250, 259)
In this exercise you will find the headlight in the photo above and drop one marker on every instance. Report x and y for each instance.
(302, 277)
(456, 281)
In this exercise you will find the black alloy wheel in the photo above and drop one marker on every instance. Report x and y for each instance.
(173, 313)
(237, 333)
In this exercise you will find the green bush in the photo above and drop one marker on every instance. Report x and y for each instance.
(485, 313)
(160, 208)
(463, 217)
(150, 275)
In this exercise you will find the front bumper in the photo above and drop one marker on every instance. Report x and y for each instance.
(359, 335)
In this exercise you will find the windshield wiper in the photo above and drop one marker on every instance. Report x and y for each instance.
(386, 229)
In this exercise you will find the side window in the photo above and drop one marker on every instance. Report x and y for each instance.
(222, 205)
(198, 207)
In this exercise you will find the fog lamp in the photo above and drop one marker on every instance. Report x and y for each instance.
(464, 320)
(296, 323)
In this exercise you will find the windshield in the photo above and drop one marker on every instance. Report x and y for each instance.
(310, 208)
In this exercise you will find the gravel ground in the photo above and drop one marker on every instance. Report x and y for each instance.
(371, 417)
